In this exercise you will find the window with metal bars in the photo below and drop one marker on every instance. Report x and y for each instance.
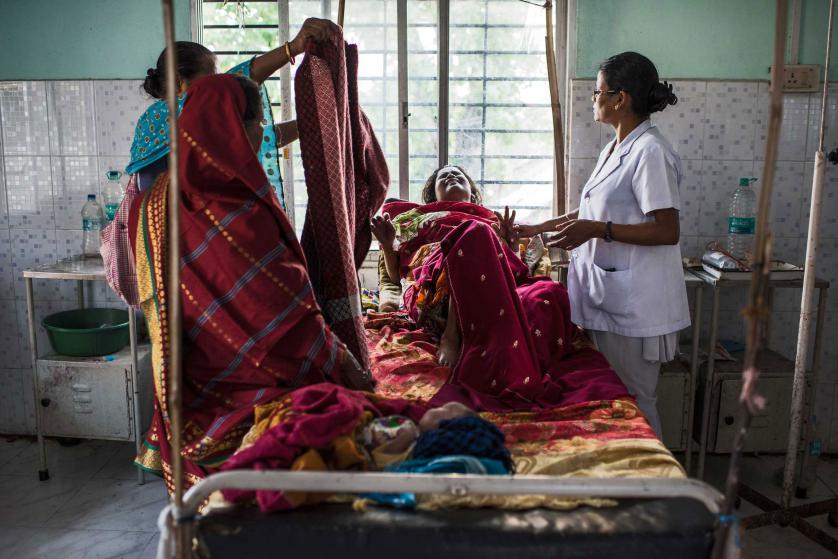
(498, 107)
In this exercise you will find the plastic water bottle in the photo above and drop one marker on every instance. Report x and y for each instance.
(741, 222)
(112, 192)
(92, 219)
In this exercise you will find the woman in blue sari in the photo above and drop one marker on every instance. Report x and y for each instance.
(151, 140)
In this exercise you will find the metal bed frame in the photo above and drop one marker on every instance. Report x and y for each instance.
(185, 518)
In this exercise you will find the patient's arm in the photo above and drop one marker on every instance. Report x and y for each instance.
(389, 292)
(505, 227)
(385, 233)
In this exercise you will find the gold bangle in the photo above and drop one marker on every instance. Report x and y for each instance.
(291, 58)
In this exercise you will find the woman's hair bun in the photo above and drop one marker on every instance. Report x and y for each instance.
(661, 96)
(152, 84)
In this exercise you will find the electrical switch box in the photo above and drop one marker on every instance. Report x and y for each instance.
(799, 78)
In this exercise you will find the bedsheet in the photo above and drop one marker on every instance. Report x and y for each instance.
(585, 436)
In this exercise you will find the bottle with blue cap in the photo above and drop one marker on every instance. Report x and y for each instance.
(92, 219)
(112, 192)
(741, 221)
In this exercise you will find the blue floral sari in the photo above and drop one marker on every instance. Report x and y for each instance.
(151, 139)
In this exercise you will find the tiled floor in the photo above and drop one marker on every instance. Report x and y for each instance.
(764, 474)
(92, 507)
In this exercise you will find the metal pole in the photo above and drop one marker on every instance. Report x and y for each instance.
(696, 343)
(758, 312)
(708, 382)
(172, 306)
(361, 482)
(556, 109)
(286, 111)
(802, 358)
(404, 114)
(570, 74)
(341, 11)
(442, 64)
(794, 47)
(135, 375)
(43, 472)
(808, 466)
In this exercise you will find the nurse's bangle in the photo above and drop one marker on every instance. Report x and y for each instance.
(607, 236)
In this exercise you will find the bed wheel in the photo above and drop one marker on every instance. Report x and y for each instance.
(784, 519)
(737, 503)
(832, 519)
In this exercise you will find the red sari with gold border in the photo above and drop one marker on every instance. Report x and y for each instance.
(252, 330)
(515, 328)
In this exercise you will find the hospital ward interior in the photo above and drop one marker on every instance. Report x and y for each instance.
(418, 278)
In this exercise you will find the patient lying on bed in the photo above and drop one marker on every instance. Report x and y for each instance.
(503, 330)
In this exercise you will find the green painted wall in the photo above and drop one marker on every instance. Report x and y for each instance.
(80, 39)
(813, 35)
(708, 39)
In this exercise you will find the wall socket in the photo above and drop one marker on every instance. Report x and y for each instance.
(801, 77)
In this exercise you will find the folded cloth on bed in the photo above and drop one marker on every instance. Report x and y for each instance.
(440, 465)
(369, 300)
(313, 428)
(346, 178)
(468, 435)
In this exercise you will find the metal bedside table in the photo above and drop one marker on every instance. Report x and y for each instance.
(83, 270)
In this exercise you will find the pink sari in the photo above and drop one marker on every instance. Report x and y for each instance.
(516, 328)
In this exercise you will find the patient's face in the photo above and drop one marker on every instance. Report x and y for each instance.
(452, 185)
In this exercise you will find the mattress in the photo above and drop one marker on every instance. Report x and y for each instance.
(680, 528)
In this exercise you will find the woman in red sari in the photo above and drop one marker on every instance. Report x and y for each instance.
(506, 333)
(251, 327)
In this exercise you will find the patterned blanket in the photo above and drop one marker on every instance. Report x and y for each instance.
(346, 177)
(585, 435)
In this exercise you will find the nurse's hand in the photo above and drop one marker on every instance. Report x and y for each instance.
(576, 232)
(526, 231)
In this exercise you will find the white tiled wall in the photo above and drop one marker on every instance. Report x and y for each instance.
(57, 139)
(719, 130)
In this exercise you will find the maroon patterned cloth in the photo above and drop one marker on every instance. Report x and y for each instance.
(346, 178)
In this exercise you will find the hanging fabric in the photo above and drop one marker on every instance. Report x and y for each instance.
(346, 178)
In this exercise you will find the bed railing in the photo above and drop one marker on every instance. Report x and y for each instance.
(457, 485)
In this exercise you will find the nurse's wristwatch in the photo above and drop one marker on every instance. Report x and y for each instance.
(607, 236)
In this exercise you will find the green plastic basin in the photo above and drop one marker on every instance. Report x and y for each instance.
(88, 332)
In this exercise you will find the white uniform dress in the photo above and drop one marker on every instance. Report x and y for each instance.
(632, 299)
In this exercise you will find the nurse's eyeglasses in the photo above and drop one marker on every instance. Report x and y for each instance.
(598, 92)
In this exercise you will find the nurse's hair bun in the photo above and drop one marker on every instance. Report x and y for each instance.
(152, 84)
(661, 96)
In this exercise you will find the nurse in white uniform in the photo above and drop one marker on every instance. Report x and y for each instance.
(625, 280)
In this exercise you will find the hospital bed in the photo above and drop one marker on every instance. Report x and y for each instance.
(604, 486)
